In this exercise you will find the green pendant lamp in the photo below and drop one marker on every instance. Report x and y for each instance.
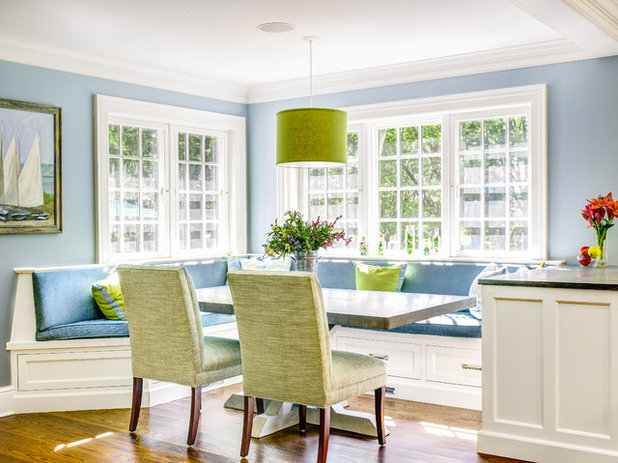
(311, 137)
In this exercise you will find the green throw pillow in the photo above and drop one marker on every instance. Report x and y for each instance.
(108, 296)
(379, 278)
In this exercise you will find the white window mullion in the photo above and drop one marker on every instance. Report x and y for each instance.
(224, 195)
(447, 205)
(170, 190)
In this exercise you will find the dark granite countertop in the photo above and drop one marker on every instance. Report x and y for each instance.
(575, 277)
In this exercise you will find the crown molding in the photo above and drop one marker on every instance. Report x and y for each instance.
(578, 28)
(552, 52)
(38, 54)
(602, 13)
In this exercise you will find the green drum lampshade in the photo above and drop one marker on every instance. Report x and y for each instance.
(312, 137)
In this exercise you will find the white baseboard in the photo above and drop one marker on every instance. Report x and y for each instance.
(436, 393)
(98, 398)
(6, 401)
(70, 400)
(546, 451)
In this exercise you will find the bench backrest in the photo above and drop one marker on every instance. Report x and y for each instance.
(65, 296)
(208, 273)
(421, 277)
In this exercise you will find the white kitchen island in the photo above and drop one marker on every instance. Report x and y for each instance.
(550, 365)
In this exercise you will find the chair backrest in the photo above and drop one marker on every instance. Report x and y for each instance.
(283, 334)
(165, 328)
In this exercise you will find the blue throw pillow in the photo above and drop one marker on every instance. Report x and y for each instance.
(491, 270)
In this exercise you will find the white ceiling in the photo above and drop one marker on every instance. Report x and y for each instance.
(217, 40)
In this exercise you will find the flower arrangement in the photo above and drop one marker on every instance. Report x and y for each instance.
(297, 236)
(600, 213)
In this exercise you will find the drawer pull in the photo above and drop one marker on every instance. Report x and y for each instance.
(390, 390)
(379, 356)
(467, 366)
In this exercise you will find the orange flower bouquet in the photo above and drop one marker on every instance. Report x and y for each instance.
(600, 213)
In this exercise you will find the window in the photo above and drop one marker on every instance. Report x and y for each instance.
(410, 182)
(134, 179)
(334, 192)
(170, 181)
(470, 168)
(200, 180)
(493, 184)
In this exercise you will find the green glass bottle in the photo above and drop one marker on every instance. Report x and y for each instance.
(435, 241)
(364, 248)
(410, 238)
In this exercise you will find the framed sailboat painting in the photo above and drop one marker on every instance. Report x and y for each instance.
(30, 168)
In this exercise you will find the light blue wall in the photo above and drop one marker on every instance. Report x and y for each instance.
(583, 153)
(583, 142)
(76, 245)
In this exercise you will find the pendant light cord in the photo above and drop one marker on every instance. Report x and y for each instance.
(311, 72)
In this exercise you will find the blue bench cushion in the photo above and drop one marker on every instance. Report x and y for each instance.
(99, 328)
(104, 328)
(460, 324)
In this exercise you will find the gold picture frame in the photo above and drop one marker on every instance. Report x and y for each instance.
(30, 168)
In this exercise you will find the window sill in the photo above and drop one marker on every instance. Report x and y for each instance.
(440, 259)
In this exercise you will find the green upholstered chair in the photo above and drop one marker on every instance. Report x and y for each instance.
(286, 355)
(165, 332)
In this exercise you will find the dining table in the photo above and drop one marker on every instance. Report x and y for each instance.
(349, 307)
(382, 310)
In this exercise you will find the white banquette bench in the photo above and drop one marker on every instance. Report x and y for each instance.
(66, 356)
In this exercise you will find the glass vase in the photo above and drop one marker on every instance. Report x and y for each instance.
(602, 244)
(306, 262)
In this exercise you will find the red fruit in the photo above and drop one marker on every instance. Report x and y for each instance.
(584, 259)
(584, 250)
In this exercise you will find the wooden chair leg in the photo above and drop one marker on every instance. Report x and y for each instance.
(138, 385)
(196, 408)
(259, 405)
(379, 403)
(324, 434)
(247, 425)
(302, 417)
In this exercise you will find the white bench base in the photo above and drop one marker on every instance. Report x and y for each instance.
(443, 370)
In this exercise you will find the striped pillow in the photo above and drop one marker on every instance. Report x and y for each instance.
(108, 296)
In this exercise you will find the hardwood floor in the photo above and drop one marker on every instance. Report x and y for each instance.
(420, 433)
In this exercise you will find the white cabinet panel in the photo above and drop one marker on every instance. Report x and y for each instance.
(402, 359)
(454, 366)
(69, 370)
(550, 370)
(583, 374)
(517, 361)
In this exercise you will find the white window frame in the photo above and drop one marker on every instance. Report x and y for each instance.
(172, 119)
(530, 100)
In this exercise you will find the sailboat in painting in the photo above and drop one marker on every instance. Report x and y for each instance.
(21, 192)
